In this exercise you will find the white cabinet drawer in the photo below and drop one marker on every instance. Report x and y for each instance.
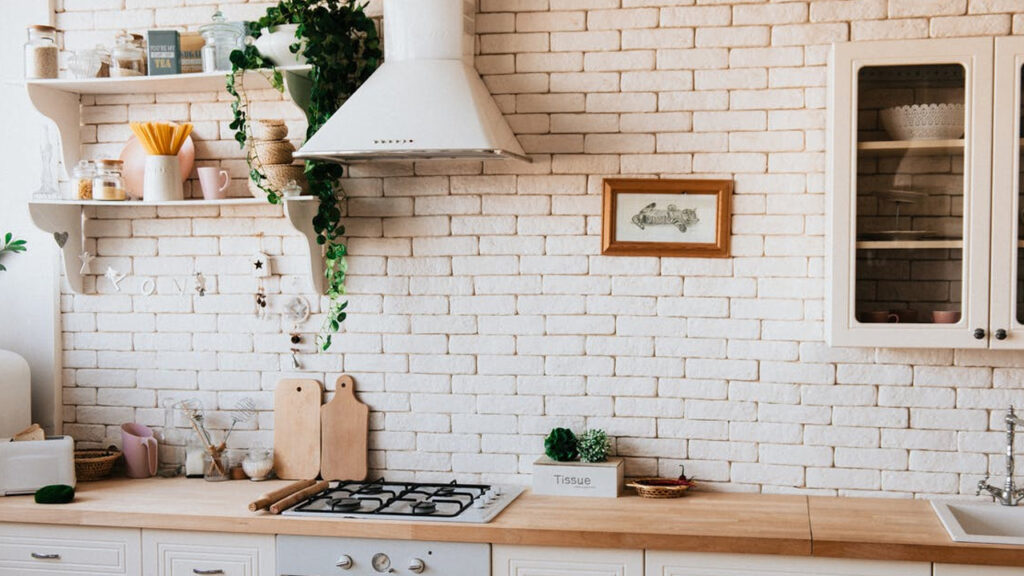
(962, 570)
(41, 550)
(173, 553)
(661, 563)
(545, 561)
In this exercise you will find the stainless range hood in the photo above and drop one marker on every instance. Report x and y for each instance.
(426, 101)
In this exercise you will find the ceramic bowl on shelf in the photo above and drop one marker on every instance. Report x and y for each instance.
(924, 121)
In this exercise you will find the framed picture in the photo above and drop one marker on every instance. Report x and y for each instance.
(645, 217)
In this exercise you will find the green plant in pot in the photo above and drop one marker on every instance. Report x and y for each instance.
(10, 245)
(340, 43)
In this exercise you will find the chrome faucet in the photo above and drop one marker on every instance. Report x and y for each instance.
(1009, 494)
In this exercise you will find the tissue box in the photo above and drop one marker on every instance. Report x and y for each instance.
(28, 466)
(591, 479)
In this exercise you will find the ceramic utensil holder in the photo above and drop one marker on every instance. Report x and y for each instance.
(161, 181)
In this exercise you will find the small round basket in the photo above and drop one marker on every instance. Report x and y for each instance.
(661, 487)
(93, 465)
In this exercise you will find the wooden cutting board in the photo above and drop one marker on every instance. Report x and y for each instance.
(346, 423)
(297, 429)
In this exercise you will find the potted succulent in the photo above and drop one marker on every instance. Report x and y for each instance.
(341, 44)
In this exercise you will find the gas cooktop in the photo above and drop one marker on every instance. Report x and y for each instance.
(471, 503)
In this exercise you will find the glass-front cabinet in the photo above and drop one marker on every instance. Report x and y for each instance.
(919, 220)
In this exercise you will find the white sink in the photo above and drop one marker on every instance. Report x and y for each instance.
(984, 523)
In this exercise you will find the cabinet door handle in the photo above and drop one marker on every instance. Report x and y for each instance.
(979, 334)
(214, 571)
(1000, 334)
(39, 556)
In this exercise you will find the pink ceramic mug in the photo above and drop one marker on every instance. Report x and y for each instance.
(213, 181)
(140, 452)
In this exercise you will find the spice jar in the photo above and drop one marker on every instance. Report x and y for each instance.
(81, 180)
(221, 38)
(258, 463)
(41, 52)
(108, 183)
(127, 58)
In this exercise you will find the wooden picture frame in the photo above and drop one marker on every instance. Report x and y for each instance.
(674, 218)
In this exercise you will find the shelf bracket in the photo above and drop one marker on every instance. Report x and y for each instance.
(65, 223)
(64, 109)
(300, 214)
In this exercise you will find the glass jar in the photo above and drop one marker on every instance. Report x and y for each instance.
(216, 466)
(258, 463)
(127, 58)
(221, 38)
(81, 180)
(108, 183)
(41, 52)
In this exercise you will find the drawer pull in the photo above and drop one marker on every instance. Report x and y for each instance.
(39, 556)
(214, 571)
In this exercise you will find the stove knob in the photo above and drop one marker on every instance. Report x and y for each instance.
(417, 566)
(496, 490)
(344, 562)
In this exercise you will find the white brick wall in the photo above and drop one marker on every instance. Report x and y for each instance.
(482, 312)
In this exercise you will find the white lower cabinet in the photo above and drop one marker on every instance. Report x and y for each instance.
(44, 550)
(704, 564)
(965, 570)
(176, 553)
(545, 561)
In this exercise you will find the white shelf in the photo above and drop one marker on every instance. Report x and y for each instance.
(65, 220)
(60, 99)
(911, 147)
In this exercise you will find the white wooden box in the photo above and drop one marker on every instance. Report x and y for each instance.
(590, 479)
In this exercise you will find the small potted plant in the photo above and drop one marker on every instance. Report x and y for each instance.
(578, 465)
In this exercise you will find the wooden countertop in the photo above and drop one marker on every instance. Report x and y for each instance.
(700, 522)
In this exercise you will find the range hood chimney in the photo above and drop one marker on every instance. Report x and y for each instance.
(426, 101)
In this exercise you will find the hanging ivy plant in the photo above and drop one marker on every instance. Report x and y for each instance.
(343, 48)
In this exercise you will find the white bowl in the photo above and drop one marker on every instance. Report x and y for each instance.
(924, 121)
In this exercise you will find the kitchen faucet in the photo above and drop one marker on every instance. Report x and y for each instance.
(1009, 495)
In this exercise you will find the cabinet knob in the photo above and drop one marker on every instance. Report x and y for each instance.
(39, 556)
(207, 572)
(979, 334)
(1000, 334)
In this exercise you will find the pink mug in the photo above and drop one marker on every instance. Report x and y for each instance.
(213, 181)
(140, 452)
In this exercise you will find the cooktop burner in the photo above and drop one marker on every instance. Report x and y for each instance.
(475, 503)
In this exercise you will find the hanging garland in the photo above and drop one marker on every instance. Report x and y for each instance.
(342, 46)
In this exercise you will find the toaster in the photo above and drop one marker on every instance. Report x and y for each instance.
(28, 466)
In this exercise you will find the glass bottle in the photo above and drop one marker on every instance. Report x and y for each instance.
(41, 52)
(108, 184)
(81, 180)
(221, 38)
(127, 59)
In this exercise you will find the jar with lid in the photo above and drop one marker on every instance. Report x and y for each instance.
(41, 52)
(127, 58)
(221, 38)
(108, 183)
(81, 180)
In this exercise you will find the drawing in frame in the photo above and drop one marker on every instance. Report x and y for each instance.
(681, 218)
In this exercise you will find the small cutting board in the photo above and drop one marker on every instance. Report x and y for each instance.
(346, 423)
(297, 429)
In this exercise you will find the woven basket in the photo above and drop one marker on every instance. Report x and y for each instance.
(272, 152)
(660, 487)
(94, 464)
(267, 130)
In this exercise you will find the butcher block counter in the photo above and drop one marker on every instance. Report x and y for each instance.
(881, 529)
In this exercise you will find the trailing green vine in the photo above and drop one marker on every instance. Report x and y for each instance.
(11, 246)
(342, 46)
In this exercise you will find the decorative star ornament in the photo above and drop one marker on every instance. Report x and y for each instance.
(86, 259)
(260, 265)
(115, 277)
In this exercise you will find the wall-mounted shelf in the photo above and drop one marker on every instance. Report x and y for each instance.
(909, 244)
(911, 147)
(65, 220)
(60, 99)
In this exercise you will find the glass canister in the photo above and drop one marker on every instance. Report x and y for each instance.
(108, 183)
(81, 180)
(127, 58)
(221, 38)
(41, 52)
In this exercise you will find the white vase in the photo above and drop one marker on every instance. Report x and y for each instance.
(274, 44)
(161, 181)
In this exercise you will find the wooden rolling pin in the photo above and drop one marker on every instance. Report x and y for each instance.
(270, 497)
(284, 504)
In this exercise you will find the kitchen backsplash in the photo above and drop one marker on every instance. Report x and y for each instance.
(482, 313)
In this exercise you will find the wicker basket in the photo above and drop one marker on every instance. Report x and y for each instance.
(94, 464)
(271, 152)
(661, 487)
(267, 130)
